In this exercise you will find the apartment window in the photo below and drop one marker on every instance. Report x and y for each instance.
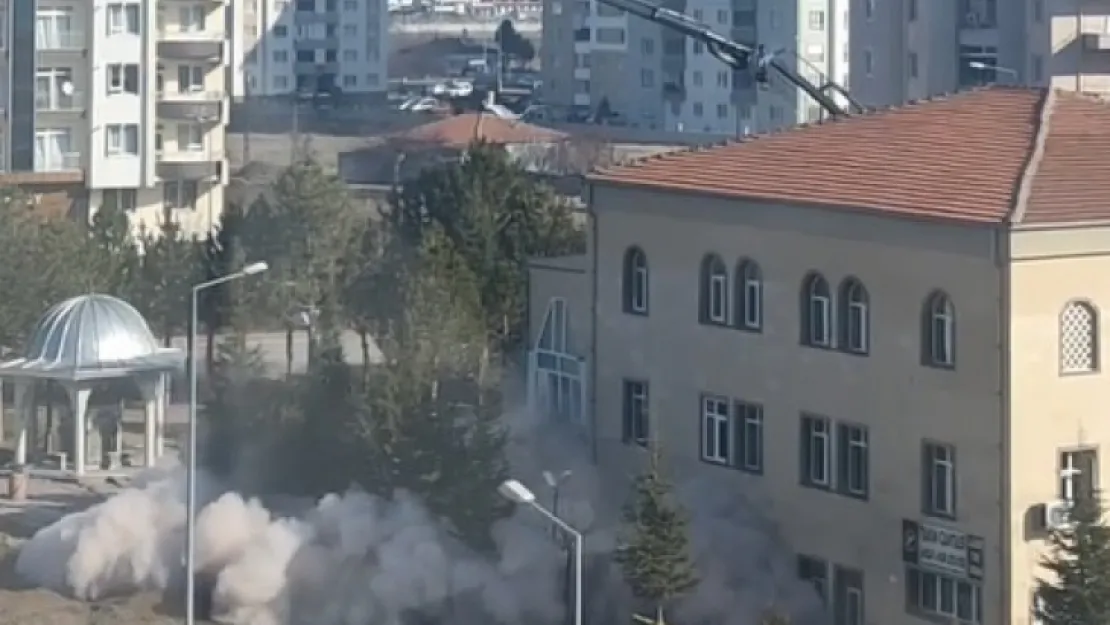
(350, 5)
(190, 137)
(308, 6)
(817, 20)
(816, 311)
(698, 14)
(610, 35)
(722, 111)
(847, 596)
(938, 595)
(722, 79)
(853, 460)
(716, 434)
(939, 473)
(775, 113)
(635, 281)
(119, 199)
(281, 82)
(350, 81)
(749, 295)
(158, 131)
(371, 80)
(911, 10)
(696, 78)
(647, 46)
(123, 19)
(855, 320)
(743, 18)
(123, 78)
(54, 150)
(749, 429)
(815, 572)
(697, 47)
(1078, 474)
(350, 30)
(281, 56)
(869, 8)
(647, 78)
(913, 64)
(191, 18)
(190, 79)
(54, 29)
(1078, 338)
(350, 55)
(714, 290)
(698, 109)
(280, 32)
(939, 331)
(868, 62)
(306, 56)
(54, 89)
(180, 194)
(815, 53)
(635, 428)
(122, 140)
(1038, 68)
(722, 17)
(1038, 11)
(816, 451)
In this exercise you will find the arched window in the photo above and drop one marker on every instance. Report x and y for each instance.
(748, 292)
(714, 290)
(635, 281)
(939, 331)
(816, 311)
(1078, 338)
(854, 316)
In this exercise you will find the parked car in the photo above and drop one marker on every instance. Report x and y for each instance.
(424, 105)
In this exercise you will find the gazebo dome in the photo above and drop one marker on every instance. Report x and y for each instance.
(92, 331)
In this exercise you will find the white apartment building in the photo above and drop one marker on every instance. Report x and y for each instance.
(913, 49)
(657, 78)
(284, 47)
(127, 99)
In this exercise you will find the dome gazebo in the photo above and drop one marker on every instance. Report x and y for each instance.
(81, 344)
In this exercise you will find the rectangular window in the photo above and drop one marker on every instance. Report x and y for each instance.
(815, 451)
(635, 421)
(718, 282)
(937, 595)
(123, 78)
(817, 20)
(852, 460)
(191, 18)
(749, 430)
(180, 194)
(609, 35)
(816, 572)
(939, 479)
(190, 79)
(913, 64)
(190, 137)
(123, 19)
(1078, 474)
(911, 10)
(119, 199)
(122, 140)
(716, 435)
(847, 596)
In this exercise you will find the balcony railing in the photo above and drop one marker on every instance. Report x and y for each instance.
(60, 40)
(66, 161)
(173, 95)
(60, 102)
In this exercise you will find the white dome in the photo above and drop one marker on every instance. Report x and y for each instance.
(91, 332)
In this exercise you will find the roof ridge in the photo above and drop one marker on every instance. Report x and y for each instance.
(1036, 156)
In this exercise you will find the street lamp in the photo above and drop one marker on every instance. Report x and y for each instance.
(555, 482)
(191, 470)
(997, 69)
(518, 493)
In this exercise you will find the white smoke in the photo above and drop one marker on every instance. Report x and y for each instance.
(350, 559)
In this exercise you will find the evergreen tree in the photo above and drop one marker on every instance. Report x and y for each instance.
(1077, 591)
(112, 257)
(169, 267)
(655, 551)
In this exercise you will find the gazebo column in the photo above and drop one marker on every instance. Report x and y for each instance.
(23, 415)
(162, 404)
(79, 402)
(151, 388)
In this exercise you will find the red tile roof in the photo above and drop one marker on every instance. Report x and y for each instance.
(459, 131)
(992, 155)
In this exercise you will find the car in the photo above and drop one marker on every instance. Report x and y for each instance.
(459, 89)
(423, 105)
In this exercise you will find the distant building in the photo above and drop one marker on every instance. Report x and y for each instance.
(886, 333)
(284, 47)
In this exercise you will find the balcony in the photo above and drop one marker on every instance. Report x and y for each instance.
(59, 162)
(307, 18)
(60, 41)
(1096, 42)
(59, 102)
(317, 43)
(305, 68)
(189, 164)
(191, 45)
(191, 106)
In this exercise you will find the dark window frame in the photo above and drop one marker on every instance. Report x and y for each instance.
(713, 272)
(937, 306)
(748, 296)
(928, 484)
(815, 290)
(807, 434)
(844, 464)
(854, 325)
(636, 295)
(635, 428)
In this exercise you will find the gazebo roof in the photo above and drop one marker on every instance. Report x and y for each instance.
(91, 337)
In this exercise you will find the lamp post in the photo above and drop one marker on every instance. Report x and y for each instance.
(191, 470)
(518, 493)
(555, 482)
(997, 69)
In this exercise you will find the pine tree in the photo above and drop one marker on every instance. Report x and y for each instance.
(655, 552)
(1077, 591)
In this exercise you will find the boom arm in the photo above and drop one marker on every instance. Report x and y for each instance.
(733, 54)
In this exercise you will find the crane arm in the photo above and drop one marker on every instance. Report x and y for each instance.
(734, 54)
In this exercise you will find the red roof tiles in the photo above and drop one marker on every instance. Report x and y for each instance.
(459, 131)
(984, 156)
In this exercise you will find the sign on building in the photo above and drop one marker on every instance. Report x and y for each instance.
(942, 549)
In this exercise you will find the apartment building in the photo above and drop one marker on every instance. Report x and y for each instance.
(885, 330)
(287, 47)
(658, 78)
(127, 100)
(912, 48)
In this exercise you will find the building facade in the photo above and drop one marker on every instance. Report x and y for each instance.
(657, 78)
(902, 365)
(129, 96)
(913, 49)
(287, 47)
